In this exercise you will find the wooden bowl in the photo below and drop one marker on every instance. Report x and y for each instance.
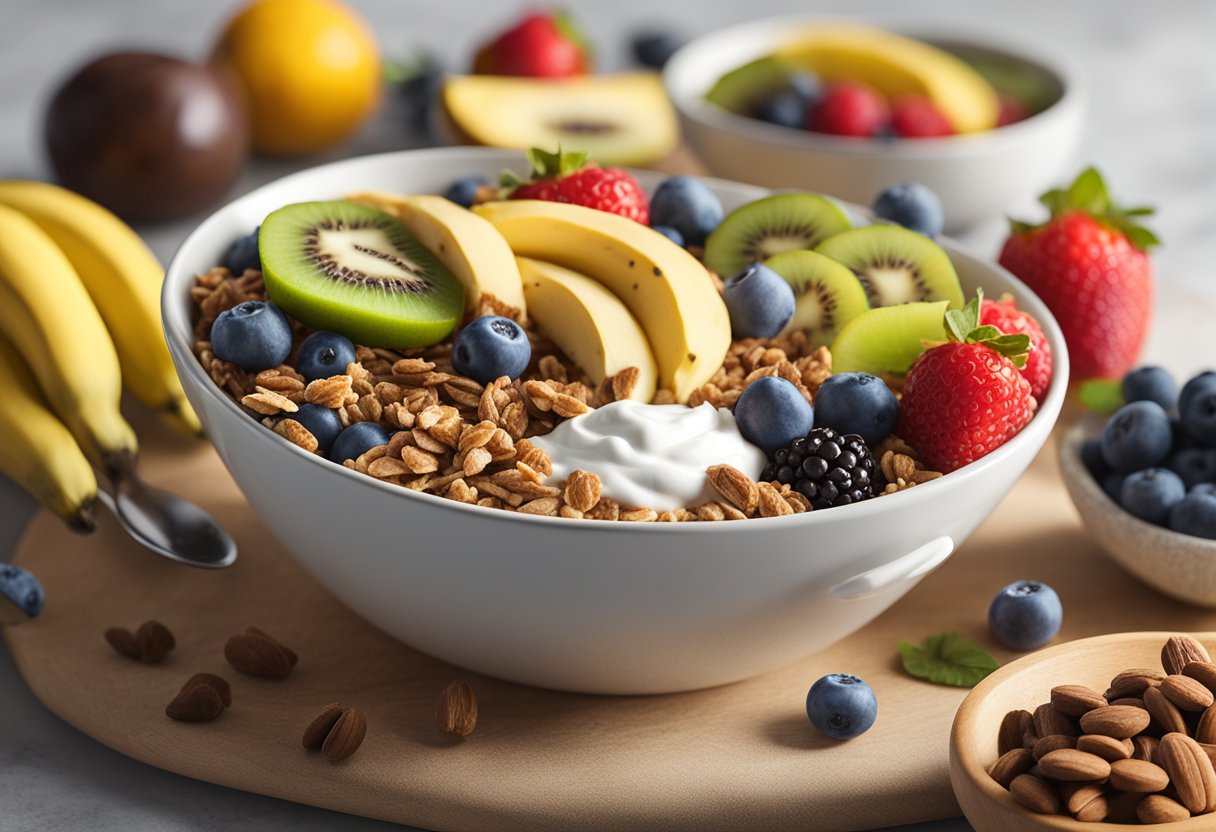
(1180, 565)
(1027, 683)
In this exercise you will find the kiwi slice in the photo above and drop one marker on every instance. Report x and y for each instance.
(741, 90)
(772, 225)
(827, 294)
(896, 265)
(352, 269)
(888, 339)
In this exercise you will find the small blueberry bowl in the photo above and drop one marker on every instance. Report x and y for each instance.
(1180, 565)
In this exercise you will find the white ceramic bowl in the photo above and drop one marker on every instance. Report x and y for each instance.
(977, 176)
(582, 605)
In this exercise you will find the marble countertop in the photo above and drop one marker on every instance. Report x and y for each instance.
(1151, 129)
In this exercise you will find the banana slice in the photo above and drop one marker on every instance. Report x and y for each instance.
(667, 290)
(589, 324)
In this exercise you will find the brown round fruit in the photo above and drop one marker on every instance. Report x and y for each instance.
(146, 135)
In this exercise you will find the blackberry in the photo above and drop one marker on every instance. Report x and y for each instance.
(827, 468)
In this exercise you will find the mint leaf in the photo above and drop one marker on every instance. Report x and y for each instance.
(947, 659)
(1101, 395)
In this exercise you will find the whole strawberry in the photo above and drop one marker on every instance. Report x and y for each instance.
(567, 177)
(965, 398)
(1005, 316)
(539, 46)
(916, 117)
(1090, 265)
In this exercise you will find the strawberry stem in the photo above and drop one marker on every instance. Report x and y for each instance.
(963, 326)
(1089, 195)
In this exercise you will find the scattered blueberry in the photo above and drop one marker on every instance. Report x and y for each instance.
(1137, 436)
(324, 354)
(1112, 484)
(253, 335)
(1195, 514)
(841, 706)
(686, 204)
(1025, 615)
(1092, 459)
(759, 301)
(1151, 493)
(857, 403)
(1203, 381)
(670, 233)
(322, 422)
(654, 49)
(1199, 418)
(1194, 465)
(244, 254)
(1150, 384)
(772, 413)
(913, 206)
(464, 190)
(20, 589)
(788, 109)
(357, 440)
(1208, 488)
(489, 347)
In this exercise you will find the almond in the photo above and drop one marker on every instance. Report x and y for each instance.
(257, 655)
(1187, 693)
(154, 641)
(1118, 721)
(1190, 772)
(1180, 651)
(1146, 748)
(456, 710)
(122, 641)
(346, 736)
(1133, 682)
(1047, 721)
(1013, 727)
(1036, 795)
(1094, 811)
(1202, 672)
(1108, 748)
(1079, 795)
(199, 703)
(1205, 731)
(1121, 806)
(1010, 764)
(1052, 742)
(1071, 765)
(1165, 713)
(1138, 776)
(321, 725)
(217, 683)
(1075, 700)
(292, 658)
(1130, 701)
(1029, 740)
(735, 486)
(1158, 808)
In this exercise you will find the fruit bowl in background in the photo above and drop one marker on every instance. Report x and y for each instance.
(583, 605)
(977, 175)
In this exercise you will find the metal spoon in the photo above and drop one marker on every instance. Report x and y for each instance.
(165, 523)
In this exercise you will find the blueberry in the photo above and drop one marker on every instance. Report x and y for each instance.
(322, 422)
(1194, 465)
(489, 347)
(772, 413)
(689, 206)
(464, 190)
(1025, 615)
(244, 254)
(1195, 514)
(324, 354)
(759, 301)
(1150, 384)
(841, 706)
(1137, 436)
(913, 206)
(807, 85)
(20, 589)
(1208, 488)
(357, 440)
(1203, 381)
(670, 233)
(1199, 418)
(1092, 459)
(654, 49)
(253, 335)
(1112, 484)
(857, 403)
(1151, 493)
(788, 109)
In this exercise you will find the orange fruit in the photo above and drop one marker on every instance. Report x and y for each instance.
(309, 70)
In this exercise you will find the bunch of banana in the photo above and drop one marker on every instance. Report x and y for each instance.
(79, 314)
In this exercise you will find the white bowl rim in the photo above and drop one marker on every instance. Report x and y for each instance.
(178, 330)
(1066, 70)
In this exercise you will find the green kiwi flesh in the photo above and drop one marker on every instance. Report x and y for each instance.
(827, 295)
(888, 339)
(896, 265)
(758, 230)
(357, 271)
(741, 90)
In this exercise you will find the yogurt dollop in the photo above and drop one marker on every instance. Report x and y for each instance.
(651, 455)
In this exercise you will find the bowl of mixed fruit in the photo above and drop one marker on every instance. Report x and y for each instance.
(601, 430)
(848, 109)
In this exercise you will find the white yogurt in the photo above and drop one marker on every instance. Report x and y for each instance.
(652, 455)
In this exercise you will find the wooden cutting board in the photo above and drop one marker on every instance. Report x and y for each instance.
(738, 757)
